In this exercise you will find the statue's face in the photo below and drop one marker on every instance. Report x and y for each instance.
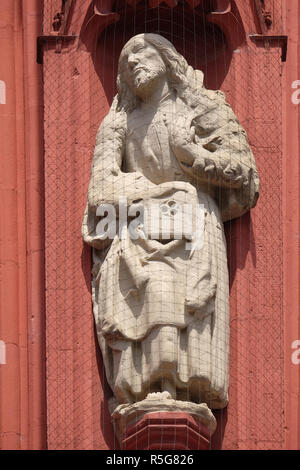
(141, 65)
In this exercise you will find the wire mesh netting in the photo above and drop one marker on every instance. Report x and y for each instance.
(79, 86)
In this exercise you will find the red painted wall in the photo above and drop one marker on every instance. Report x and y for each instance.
(262, 247)
(22, 274)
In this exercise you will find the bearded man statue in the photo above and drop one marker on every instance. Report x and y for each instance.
(161, 305)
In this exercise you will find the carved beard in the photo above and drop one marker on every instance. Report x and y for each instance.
(144, 78)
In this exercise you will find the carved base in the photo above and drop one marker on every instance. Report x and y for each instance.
(166, 431)
(159, 422)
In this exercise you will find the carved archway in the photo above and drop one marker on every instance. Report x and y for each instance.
(206, 32)
(223, 13)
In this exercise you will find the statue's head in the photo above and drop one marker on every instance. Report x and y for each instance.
(144, 59)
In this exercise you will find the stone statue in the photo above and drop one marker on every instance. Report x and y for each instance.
(161, 309)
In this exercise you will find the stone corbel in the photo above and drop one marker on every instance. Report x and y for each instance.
(267, 40)
(59, 33)
(264, 16)
(62, 17)
(265, 23)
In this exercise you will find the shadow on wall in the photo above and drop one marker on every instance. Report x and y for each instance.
(218, 436)
(240, 241)
(106, 422)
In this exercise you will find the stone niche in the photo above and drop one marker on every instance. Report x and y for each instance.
(161, 310)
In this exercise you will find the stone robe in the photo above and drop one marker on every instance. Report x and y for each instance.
(161, 310)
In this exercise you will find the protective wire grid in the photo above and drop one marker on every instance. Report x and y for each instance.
(79, 85)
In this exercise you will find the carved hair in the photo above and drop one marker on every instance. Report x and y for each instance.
(182, 78)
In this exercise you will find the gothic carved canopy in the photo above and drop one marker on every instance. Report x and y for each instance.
(102, 13)
(99, 14)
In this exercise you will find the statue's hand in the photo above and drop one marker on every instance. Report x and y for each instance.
(218, 171)
(195, 158)
(169, 188)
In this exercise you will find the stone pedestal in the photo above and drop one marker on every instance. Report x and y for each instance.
(166, 431)
(161, 423)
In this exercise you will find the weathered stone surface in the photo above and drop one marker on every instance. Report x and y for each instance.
(161, 309)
